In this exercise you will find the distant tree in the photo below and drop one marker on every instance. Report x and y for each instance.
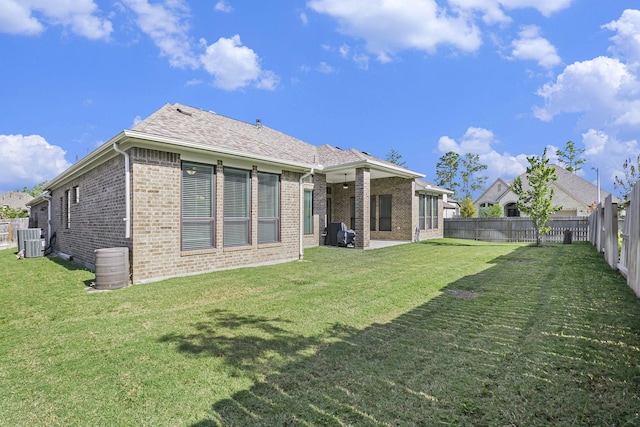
(570, 157)
(394, 157)
(625, 184)
(467, 209)
(447, 172)
(6, 212)
(536, 200)
(35, 191)
(493, 211)
(460, 174)
(471, 181)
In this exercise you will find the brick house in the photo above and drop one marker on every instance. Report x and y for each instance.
(576, 195)
(190, 191)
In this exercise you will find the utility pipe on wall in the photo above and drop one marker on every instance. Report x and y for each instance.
(127, 186)
(302, 178)
(47, 196)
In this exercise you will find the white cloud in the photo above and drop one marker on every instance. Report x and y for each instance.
(304, 18)
(29, 160)
(137, 119)
(389, 26)
(493, 10)
(80, 16)
(166, 25)
(531, 46)
(235, 66)
(481, 141)
(626, 43)
(607, 152)
(604, 89)
(223, 6)
(325, 68)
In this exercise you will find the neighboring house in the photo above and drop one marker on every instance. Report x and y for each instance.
(576, 195)
(190, 191)
(15, 199)
(451, 207)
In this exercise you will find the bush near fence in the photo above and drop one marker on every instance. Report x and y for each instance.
(514, 229)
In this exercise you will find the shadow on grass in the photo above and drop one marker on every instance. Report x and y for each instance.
(549, 338)
(246, 343)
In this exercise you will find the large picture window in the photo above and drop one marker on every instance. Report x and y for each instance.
(308, 212)
(385, 213)
(427, 211)
(268, 208)
(236, 207)
(198, 211)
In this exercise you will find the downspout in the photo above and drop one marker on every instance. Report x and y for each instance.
(47, 196)
(302, 178)
(127, 190)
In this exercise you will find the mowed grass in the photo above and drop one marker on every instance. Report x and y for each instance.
(446, 332)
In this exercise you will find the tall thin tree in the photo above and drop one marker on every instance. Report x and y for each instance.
(470, 175)
(536, 198)
(447, 172)
(570, 157)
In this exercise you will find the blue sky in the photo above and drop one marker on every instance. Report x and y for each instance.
(499, 78)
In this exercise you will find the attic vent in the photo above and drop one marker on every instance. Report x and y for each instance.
(258, 123)
(186, 113)
(364, 152)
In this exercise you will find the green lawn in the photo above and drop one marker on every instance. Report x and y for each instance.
(446, 332)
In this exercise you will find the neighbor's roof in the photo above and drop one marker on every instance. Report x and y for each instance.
(580, 189)
(422, 185)
(15, 199)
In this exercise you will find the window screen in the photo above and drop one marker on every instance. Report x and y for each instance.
(385, 213)
(236, 207)
(268, 208)
(197, 206)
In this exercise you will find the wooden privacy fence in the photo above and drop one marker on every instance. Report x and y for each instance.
(604, 236)
(9, 230)
(514, 229)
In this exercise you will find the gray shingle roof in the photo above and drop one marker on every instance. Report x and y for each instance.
(421, 184)
(578, 188)
(181, 122)
(208, 128)
(15, 200)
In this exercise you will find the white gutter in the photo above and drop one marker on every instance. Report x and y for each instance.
(47, 196)
(127, 189)
(301, 252)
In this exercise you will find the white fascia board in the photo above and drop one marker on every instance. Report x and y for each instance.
(97, 156)
(434, 190)
(127, 139)
(372, 164)
(141, 139)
